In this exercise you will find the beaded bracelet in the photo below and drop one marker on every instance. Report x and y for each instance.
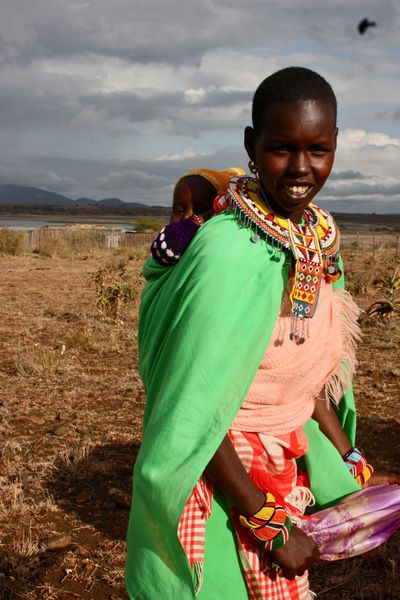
(358, 466)
(270, 524)
(282, 536)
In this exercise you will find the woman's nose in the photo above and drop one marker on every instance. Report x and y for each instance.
(300, 163)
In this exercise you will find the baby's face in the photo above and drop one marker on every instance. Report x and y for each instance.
(192, 194)
(294, 153)
(181, 208)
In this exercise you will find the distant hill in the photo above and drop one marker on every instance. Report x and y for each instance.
(22, 200)
(111, 202)
(31, 196)
(84, 202)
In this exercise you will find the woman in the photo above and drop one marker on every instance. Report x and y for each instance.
(238, 343)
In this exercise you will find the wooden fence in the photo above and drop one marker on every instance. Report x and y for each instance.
(78, 236)
(97, 236)
(371, 242)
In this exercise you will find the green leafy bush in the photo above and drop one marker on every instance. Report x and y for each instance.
(144, 224)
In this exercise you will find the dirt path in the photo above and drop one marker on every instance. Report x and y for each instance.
(71, 407)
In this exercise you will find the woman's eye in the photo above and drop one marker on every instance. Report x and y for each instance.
(319, 151)
(280, 150)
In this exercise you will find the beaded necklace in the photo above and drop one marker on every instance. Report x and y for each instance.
(313, 244)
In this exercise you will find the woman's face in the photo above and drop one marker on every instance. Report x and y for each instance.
(294, 153)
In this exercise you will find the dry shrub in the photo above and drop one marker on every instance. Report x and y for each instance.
(357, 282)
(102, 337)
(12, 242)
(115, 287)
(41, 361)
(55, 247)
(138, 253)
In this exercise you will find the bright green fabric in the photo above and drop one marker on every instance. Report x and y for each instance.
(223, 576)
(204, 327)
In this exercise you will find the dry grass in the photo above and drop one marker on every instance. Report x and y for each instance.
(70, 413)
(12, 242)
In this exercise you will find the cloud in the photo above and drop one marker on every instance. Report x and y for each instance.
(187, 153)
(346, 175)
(133, 179)
(144, 31)
(87, 84)
(391, 114)
(363, 205)
(373, 177)
(356, 139)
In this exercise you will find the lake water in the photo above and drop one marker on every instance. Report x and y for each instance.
(29, 224)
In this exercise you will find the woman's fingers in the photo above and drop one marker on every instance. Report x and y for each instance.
(297, 555)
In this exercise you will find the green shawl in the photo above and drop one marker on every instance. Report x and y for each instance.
(204, 327)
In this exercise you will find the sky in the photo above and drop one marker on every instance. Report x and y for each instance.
(118, 99)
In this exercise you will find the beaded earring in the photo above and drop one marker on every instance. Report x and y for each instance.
(252, 167)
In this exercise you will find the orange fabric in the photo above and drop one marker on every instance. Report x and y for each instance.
(291, 376)
(219, 179)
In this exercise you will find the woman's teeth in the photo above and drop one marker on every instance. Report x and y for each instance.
(296, 190)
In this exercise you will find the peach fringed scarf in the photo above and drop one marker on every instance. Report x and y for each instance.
(350, 334)
(292, 376)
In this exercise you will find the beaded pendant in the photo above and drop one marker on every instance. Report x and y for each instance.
(314, 244)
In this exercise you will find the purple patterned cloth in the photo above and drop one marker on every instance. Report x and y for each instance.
(173, 240)
(357, 524)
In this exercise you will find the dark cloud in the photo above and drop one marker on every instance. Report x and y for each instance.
(392, 114)
(346, 175)
(139, 31)
(171, 112)
(24, 110)
(136, 180)
(362, 205)
(178, 32)
(361, 189)
(76, 73)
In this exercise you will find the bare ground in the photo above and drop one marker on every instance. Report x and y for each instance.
(70, 412)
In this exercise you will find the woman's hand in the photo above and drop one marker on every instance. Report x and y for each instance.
(297, 555)
(229, 474)
(383, 479)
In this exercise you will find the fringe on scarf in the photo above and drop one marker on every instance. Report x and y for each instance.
(339, 381)
(198, 572)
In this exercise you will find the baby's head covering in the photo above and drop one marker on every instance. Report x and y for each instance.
(219, 179)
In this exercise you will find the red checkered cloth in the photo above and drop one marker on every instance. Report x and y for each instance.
(192, 526)
(270, 462)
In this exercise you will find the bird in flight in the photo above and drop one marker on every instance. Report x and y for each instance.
(364, 24)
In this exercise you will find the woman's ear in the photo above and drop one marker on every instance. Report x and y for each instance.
(336, 134)
(249, 142)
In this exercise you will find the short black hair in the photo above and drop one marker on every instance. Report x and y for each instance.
(289, 85)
